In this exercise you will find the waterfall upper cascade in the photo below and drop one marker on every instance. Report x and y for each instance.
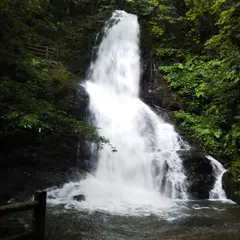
(146, 171)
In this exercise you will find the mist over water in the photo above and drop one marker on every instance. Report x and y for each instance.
(145, 174)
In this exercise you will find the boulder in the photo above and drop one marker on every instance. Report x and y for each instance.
(199, 173)
(230, 187)
(79, 198)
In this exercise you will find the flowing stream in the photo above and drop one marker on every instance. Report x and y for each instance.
(144, 177)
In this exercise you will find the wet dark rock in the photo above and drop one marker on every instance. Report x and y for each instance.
(80, 112)
(174, 107)
(199, 173)
(156, 169)
(158, 93)
(80, 105)
(157, 97)
(79, 198)
(162, 112)
(230, 187)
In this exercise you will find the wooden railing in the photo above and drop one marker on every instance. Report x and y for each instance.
(39, 212)
(43, 51)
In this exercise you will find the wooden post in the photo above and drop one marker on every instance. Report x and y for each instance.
(39, 214)
(46, 52)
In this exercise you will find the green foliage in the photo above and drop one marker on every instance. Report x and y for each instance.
(209, 91)
(235, 171)
(142, 7)
(40, 100)
(37, 94)
(202, 68)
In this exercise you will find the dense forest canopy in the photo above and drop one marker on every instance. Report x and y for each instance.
(196, 44)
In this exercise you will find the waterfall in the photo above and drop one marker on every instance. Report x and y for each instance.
(146, 146)
(217, 192)
(145, 173)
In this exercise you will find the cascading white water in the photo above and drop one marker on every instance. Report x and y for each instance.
(217, 192)
(143, 140)
(146, 171)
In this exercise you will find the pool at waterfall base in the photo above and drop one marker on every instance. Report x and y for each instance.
(203, 220)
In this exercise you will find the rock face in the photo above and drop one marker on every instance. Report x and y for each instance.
(157, 92)
(80, 105)
(79, 198)
(199, 172)
(230, 187)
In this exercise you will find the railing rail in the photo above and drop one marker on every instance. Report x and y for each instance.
(18, 207)
(44, 51)
(39, 212)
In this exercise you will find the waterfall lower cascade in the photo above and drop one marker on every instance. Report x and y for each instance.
(146, 172)
(217, 192)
